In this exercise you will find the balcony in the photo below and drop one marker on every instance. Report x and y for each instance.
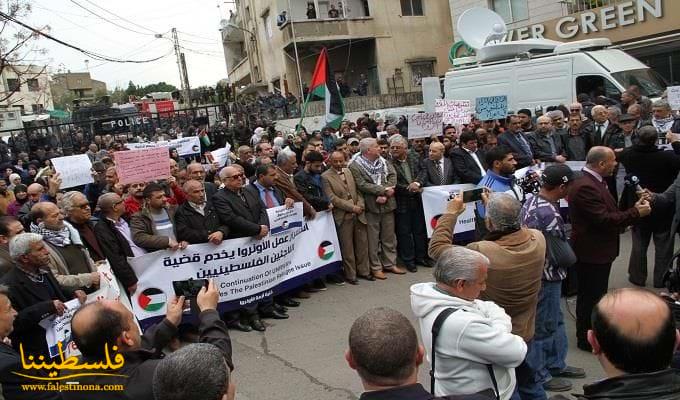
(366, 103)
(576, 6)
(313, 30)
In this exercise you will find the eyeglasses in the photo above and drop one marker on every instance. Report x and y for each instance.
(237, 176)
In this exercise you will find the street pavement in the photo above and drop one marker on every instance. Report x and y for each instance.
(303, 357)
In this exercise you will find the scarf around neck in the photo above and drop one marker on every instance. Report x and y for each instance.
(664, 124)
(63, 237)
(377, 169)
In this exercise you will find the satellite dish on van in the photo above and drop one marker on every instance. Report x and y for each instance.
(479, 26)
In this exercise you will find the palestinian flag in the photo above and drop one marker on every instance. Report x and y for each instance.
(151, 299)
(324, 86)
(325, 250)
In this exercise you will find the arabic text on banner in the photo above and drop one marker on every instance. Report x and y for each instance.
(434, 205)
(143, 165)
(424, 125)
(73, 170)
(185, 146)
(454, 112)
(245, 270)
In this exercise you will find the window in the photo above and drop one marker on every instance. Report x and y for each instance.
(13, 85)
(511, 10)
(596, 85)
(33, 85)
(411, 8)
(421, 70)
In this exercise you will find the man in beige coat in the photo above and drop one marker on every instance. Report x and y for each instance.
(375, 179)
(516, 260)
(350, 220)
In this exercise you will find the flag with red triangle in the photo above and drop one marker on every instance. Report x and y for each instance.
(323, 85)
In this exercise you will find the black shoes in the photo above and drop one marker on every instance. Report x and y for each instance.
(335, 280)
(239, 326)
(353, 281)
(275, 314)
(412, 268)
(427, 262)
(367, 277)
(257, 325)
(288, 302)
(569, 372)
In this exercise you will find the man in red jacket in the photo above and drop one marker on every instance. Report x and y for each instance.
(596, 225)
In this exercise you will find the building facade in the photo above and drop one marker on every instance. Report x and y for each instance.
(646, 29)
(374, 46)
(79, 85)
(26, 88)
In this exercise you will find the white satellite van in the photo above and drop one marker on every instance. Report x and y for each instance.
(540, 72)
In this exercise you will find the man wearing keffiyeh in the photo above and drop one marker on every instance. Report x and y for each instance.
(663, 119)
(375, 178)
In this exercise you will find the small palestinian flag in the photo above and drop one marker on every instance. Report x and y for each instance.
(151, 299)
(323, 85)
(326, 250)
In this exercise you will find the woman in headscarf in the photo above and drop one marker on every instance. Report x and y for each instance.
(14, 180)
(20, 197)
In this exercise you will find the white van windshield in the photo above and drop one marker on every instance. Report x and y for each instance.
(650, 83)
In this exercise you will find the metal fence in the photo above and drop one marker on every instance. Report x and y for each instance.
(67, 135)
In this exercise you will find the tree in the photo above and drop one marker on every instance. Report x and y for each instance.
(64, 101)
(18, 51)
(131, 89)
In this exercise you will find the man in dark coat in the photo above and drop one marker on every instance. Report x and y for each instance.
(104, 324)
(34, 293)
(308, 182)
(634, 338)
(515, 139)
(436, 170)
(468, 160)
(656, 170)
(196, 221)
(596, 226)
(115, 237)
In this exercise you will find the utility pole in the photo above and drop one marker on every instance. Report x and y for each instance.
(182, 66)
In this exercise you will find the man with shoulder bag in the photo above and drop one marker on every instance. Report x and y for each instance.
(541, 212)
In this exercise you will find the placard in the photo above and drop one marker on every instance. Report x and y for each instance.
(73, 170)
(186, 146)
(492, 107)
(435, 199)
(454, 112)
(424, 125)
(283, 219)
(221, 156)
(143, 165)
(673, 93)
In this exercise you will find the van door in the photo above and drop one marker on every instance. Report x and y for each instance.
(597, 85)
(543, 83)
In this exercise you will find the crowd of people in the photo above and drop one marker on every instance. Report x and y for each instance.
(491, 321)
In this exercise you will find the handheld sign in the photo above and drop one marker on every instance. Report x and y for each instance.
(492, 107)
(454, 112)
(673, 93)
(423, 125)
(74, 170)
(143, 165)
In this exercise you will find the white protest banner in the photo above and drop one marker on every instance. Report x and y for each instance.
(454, 112)
(245, 270)
(282, 219)
(434, 205)
(185, 146)
(492, 107)
(73, 170)
(220, 156)
(143, 165)
(424, 125)
(673, 93)
(58, 328)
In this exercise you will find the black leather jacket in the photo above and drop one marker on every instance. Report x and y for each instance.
(662, 385)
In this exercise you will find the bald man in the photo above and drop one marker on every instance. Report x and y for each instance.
(105, 324)
(436, 170)
(196, 221)
(596, 225)
(545, 143)
(634, 337)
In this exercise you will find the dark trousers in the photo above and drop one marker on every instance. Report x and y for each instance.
(593, 282)
(663, 252)
(411, 235)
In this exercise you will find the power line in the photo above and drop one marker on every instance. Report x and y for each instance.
(121, 18)
(127, 54)
(109, 20)
(196, 36)
(89, 53)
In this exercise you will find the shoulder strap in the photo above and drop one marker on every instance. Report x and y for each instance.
(436, 327)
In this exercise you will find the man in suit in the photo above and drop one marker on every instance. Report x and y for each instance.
(196, 171)
(599, 126)
(375, 179)
(468, 161)
(411, 233)
(286, 166)
(515, 139)
(596, 225)
(244, 212)
(34, 292)
(656, 170)
(436, 170)
(350, 219)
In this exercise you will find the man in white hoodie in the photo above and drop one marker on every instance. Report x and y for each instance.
(477, 334)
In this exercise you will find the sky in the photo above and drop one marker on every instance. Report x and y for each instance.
(197, 22)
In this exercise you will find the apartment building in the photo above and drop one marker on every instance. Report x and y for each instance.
(384, 46)
(26, 88)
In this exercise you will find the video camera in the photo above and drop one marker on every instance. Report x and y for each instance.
(671, 280)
